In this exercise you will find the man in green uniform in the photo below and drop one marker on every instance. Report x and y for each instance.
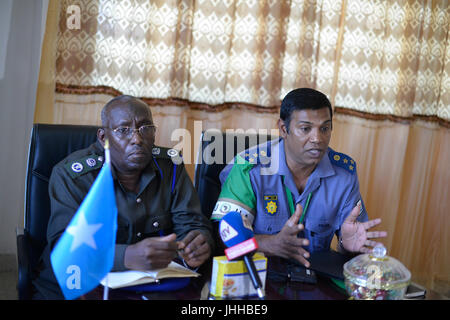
(159, 213)
(297, 192)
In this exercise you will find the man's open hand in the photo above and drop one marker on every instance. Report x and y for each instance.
(355, 235)
(285, 243)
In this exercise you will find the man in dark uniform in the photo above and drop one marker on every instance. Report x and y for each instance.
(159, 213)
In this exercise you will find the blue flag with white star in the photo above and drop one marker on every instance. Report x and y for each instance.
(85, 252)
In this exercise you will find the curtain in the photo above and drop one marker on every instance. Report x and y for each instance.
(385, 65)
(404, 177)
(377, 57)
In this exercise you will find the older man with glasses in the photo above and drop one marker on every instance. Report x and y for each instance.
(160, 216)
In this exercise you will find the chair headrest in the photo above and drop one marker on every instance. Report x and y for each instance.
(49, 145)
(216, 150)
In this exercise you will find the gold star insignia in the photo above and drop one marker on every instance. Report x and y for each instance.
(271, 207)
(345, 160)
(350, 167)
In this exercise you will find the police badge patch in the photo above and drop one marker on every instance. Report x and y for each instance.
(91, 162)
(172, 152)
(271, 204)
(77, 167)
(156, 151)
(84, 165)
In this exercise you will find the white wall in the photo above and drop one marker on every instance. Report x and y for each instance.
(5, 22)
(17, 101)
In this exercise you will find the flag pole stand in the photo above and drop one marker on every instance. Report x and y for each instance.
(108, 161)
(106, 289)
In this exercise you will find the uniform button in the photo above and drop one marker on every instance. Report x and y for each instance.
(138, 200)
(156, 224)
(139, 234)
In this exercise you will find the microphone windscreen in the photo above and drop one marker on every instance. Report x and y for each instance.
(233, 229)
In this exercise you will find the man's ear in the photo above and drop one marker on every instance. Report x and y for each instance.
(282, 128)
(101, 136)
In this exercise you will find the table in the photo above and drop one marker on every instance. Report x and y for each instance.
(198, 289)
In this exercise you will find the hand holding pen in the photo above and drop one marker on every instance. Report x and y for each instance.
(194, 249)
(151, 253)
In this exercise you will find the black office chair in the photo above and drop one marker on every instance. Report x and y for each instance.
(52, 143)
(210, 163)
(49, 144)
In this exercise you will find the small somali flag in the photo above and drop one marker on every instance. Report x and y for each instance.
(85, 252)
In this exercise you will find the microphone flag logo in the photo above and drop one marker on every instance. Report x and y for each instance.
(227, 232)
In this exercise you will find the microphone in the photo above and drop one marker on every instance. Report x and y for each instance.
(237, 234)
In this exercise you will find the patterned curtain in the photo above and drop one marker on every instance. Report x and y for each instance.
(395, 58)
(375, 59)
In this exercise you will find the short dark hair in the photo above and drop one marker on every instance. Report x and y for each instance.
(300, 99)
(123, 98)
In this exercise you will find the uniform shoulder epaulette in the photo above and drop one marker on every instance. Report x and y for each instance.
(258, 155)
(165, 153)
(84, 165)
(342, 160)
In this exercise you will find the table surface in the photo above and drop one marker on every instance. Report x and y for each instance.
(198, 289)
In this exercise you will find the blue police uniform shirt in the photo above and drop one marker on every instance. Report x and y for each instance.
(333, 186)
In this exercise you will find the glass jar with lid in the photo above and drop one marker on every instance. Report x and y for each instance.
(376, 276)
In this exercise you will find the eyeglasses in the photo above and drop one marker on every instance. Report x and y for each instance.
(128, 132)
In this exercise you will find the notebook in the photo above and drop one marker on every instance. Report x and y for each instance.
(135, 277)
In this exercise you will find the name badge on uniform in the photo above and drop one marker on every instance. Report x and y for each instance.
(271, 204)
